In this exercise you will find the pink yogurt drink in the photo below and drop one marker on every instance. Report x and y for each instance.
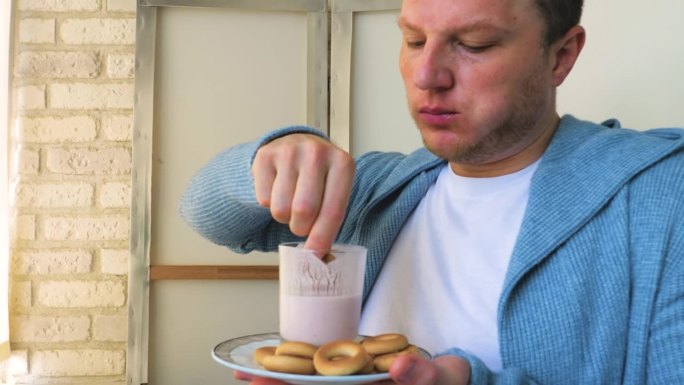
(319, 319)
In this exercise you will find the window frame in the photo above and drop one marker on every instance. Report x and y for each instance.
(141, 211)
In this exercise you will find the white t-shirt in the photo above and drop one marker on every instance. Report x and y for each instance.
(442, 279)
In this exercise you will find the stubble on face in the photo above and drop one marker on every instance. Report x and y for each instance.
(509, 135)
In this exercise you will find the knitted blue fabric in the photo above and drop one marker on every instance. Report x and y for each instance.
(594, 292)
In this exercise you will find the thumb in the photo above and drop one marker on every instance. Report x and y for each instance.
(414, 370)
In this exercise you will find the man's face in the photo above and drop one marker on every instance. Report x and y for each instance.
(477, 77)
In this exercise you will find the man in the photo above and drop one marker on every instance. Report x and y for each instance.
(520, 246)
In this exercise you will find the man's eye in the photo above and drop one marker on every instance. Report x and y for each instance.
(415, 43)
(475, 48)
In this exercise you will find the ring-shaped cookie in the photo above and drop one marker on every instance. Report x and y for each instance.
(296, 349)
(340, 358)
(260, 353)
(384, 343)
(288, 364)
(369, 368)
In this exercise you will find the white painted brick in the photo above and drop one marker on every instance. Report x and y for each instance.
(52, 262)
(20, 293)
(118, 127)
(49, 329)
(114, 261)
(37, 31)
(121, 5)
(25, 228)
(59, 5)
(86, 294)
(121, 65)
(91, 96)
(110, 328)
(19, 362)
(53, 129)
(16, 365)
(115, 195)
(98, 31)
(54, 195)
(31, 97)
(85, 362)
(87, 228)
(27, 161)
(57, 64)
(88, 161)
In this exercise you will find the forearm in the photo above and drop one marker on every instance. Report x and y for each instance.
(220, 204)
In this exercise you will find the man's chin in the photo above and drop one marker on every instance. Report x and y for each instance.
(443, 143)
(460, 153)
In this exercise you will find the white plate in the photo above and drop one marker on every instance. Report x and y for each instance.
(237, 354)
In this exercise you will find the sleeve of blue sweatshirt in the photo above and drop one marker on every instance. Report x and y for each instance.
(219, 202)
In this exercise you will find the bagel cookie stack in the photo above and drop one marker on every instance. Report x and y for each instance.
(336, 358)
(385, 348)
(289, 357)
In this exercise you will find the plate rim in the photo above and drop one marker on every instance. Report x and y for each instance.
(353, 379)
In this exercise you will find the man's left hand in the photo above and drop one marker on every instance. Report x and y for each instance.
(406, 370)
(443, 370)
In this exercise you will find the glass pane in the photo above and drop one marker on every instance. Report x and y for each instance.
(380, 119)
(222, 77)
(189, 318)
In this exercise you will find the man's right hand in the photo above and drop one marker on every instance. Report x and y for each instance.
(305, 181)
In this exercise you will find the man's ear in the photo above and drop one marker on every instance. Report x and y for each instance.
(565, 52)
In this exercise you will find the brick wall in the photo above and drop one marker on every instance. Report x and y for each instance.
(71, 143)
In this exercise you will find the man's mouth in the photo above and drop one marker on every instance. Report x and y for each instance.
(436, 116)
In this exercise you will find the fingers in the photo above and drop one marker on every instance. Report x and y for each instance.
(275, 170)
(420, 371)
(308, 196)
(266, 381)
(413, 370)
(255, 380)
(334, 204)
(242, 376)
(305, 181)
(264, 173)
(282, 194)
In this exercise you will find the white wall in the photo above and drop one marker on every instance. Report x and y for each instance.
(632, 67)
(5, 23)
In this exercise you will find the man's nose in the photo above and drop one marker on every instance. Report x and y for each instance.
(432, 71)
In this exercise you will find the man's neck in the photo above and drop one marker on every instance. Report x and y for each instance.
(516, 162)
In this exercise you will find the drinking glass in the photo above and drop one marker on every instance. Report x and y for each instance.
(320, 292)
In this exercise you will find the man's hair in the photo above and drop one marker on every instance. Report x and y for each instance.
(559, 16)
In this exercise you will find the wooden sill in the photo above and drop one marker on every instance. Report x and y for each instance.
(203, 272)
